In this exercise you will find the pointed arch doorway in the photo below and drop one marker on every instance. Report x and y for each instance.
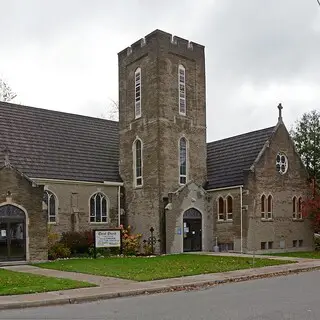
(12, 233)
(192, 230)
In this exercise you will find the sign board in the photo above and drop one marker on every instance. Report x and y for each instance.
(3, 233)
(109, 238)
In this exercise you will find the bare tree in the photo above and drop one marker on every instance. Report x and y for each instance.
(113, 111)
(6, 94)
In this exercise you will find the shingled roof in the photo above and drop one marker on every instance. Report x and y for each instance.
(57, 145)
(228, 158)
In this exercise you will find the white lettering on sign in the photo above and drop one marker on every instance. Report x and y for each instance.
(108, 238)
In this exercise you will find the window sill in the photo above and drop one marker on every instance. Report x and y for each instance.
(297, 219)
(138, 187)
(53, 223)
(267, 219)
(98, 223)
(225, 221)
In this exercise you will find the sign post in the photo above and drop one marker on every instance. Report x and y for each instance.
(107, 238)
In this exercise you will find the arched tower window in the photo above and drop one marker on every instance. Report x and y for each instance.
(137, 94)
(182, 90)
(137, 163)
(98, 208)
(183, 161)
(51, 206)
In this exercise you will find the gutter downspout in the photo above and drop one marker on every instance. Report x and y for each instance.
(119, 209)
(241, 225)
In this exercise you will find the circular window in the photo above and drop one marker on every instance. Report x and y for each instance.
(282, 163)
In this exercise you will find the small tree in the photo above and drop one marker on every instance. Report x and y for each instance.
(306, 135)
(113, 112)
(6, 94)
(311, 206)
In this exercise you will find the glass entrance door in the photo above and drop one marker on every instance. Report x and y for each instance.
(12, 240)
(3, 241)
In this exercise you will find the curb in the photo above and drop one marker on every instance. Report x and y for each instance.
(145, 291)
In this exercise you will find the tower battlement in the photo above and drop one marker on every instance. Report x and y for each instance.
(163, 39)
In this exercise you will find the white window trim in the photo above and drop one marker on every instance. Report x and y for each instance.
(46, 189)
(263, 213)
(226, 206)
(218, 208)
(136, 114)
(271, 212)
(107, 209)
(181, 67)
(135, 177)
(187, 160)
(279, 162)
(294, 212)
(299, 212)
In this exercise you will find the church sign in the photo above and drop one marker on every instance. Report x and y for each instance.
(107, 238)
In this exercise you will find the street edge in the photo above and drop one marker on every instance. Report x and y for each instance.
(136, 292)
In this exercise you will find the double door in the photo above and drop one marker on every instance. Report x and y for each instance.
(12, 240)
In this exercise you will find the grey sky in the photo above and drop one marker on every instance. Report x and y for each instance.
(62, 54)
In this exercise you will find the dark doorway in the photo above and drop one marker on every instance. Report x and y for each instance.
(192, 230)
(12, 233)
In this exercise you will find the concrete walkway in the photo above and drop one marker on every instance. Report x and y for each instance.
(112, 288)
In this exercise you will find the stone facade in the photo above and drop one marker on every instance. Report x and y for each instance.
(282, 229)
(72, 202)
(176, 210)
(19, 191)
(160, 126)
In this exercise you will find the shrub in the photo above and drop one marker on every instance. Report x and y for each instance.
(130, 242)
(317, 243)
(58, 250)
(77, 242)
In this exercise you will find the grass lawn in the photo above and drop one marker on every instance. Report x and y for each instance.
(19, 283)
(302, 254)
(161, 267)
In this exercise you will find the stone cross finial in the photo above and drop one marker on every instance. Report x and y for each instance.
(6, 152)
(280, 107)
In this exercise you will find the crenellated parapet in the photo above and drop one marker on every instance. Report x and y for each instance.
(164, 40)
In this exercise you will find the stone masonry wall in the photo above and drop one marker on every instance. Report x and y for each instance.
(160, 126)
(30, 198)
(74, 199)
(281, 229)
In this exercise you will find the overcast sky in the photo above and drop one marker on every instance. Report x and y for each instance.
(62, 54)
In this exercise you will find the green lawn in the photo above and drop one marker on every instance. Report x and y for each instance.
(302, 254)
(161, 267)
(19, 283)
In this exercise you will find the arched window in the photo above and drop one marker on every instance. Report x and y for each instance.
(263, 206)
(299, 216)
(51, 207)
(99, 208)
(269, 207)
(137, 163)
(294, 208)
(221, 211)
(183, 161)
(137, 94)
(182, 90)
(229, 207)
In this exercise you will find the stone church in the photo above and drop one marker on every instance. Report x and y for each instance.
(153, 168)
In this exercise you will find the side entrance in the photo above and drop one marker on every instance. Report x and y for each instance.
(192, 230)
(12, 233)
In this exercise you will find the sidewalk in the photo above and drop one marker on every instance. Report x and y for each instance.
(113, 288)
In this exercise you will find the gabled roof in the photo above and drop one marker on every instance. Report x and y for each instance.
(228, 158)
(57, 145)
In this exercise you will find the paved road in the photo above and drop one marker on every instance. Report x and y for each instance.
(295, 297)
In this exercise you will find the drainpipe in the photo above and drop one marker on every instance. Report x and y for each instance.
(119, 209)
(241, 219)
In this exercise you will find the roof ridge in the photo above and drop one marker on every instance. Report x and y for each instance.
(242, 134)
(8, 104)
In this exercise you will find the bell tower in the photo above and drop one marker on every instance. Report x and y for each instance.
(162, 124)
